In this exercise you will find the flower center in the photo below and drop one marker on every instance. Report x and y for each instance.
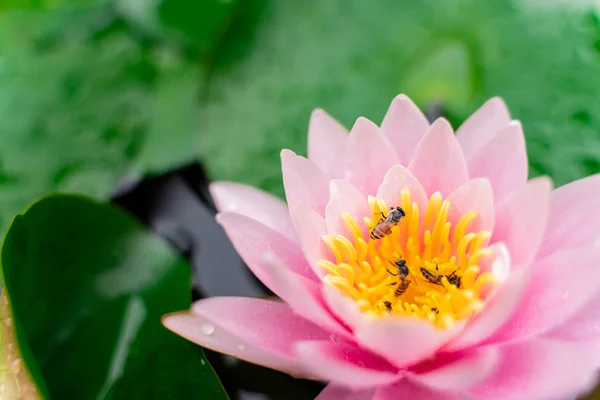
(423, 267)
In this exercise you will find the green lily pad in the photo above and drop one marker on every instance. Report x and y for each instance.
(88, 286)
(281, 59)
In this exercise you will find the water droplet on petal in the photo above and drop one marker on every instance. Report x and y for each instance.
(334, 338)
(207, 329)
(241, 347)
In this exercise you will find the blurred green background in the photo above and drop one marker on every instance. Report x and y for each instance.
(92, 91)
(95, 92)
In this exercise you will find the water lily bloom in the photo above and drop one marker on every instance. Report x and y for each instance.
(487, 287)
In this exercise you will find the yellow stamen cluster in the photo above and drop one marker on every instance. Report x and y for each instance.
(363, 270)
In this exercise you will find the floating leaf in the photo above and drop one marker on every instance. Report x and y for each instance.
(88, 286)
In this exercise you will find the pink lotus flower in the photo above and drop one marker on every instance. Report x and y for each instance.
(523, 321)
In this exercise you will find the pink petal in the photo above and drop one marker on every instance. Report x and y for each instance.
(538, 369)
(404, 125)
(251, 239)
(406, 390)
(499, 307)
(396, 179)
(304, 182)
(521, 219)
(574, 217)
(327, 143)
(311, 228)
(559, 286)
(438, 162)
(342, 306)
(584, 325)
(190, 326)
(254, 203)
(475, 195)
(482, 126)
(345, 364)
(337, 392)
(502, 160)
(259, 331)
(456, 371)
(369, 155)
(345, 198)
(500, 264)
(419, 338)
(303, 295)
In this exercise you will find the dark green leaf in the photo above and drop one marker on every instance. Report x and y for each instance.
(196, 23)
(88, 286)
(201, 22)
(281, 59)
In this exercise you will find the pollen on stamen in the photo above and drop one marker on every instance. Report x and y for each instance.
(444, 283)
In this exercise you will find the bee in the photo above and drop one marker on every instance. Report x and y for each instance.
(436, 279)
(402, 274)
(402, 269)
(402, 287)
(454, 279)
(388, 306)
(386, 222)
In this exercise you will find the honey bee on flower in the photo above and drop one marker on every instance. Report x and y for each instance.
(478, 304)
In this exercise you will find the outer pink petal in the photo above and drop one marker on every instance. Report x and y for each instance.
(304, 182)
(538, 369)
(438, 161)
(251, 239)
(345, 364)
(502, 160)
(498, 309)
(369, 155)
(475, 195)
(404, 125)
(419, 339)
(574, 217)
(406, 390)
(303, 295)
(311, 228)
(482, 126)
(345, 198)
(396, 179)
(327, 143)
(456, 371)
(559, 287)
(259, 331)
(254, 203)
(521, 219)
(189, 326)
(337, 392)
(583, 326)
